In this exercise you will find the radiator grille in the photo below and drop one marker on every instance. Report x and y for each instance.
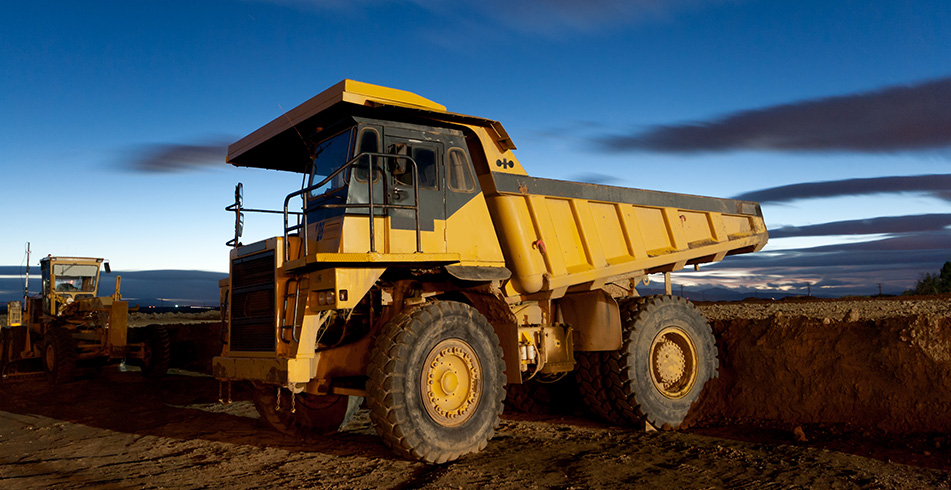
(252, 303)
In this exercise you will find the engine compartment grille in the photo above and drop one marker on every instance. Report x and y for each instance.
(252, 303)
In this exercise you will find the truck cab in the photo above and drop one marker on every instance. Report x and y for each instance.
(411, 177)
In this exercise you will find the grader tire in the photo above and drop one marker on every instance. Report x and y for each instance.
(158, 352)
(593, 390)
(436, 382)
(312, 416)
(59, 355)
(667, 355)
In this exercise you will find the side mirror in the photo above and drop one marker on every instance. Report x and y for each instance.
(107, 267)
(238, 215)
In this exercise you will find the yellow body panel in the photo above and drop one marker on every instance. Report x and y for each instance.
(554, 243)
(471, 234)
(468, 237)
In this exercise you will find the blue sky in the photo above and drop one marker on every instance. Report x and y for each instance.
(115, 115)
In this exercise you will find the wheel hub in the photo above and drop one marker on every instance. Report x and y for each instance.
(673, 362)
(450, 382)
(670, 362)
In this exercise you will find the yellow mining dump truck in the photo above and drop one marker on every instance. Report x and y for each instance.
(470, 275)
(69, 328)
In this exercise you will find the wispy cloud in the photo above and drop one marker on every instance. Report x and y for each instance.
(871, 226)
(553, 17)
(893, 119)
(938, 185)
(589, 16)
(848, 268)
(167, 158)
(597, 178)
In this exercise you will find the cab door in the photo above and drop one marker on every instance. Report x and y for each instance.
(428, 156)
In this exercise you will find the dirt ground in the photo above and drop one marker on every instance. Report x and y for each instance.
(811, 394)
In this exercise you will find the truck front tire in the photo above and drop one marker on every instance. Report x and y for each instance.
(436, 382)
(667, 356)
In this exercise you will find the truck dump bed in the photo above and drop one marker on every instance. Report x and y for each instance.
(565, 236)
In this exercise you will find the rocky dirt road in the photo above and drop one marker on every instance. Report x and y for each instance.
(122, 431)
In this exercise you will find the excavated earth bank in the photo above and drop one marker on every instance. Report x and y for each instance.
(882, 364)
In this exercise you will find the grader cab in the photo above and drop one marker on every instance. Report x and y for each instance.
(69, 329)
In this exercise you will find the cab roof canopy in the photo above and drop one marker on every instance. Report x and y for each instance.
(285, 143)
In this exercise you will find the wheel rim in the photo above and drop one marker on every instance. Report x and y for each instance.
(673, 362)
(451, 382)
(50, 357)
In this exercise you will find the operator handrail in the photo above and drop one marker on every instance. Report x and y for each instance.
(302, 216)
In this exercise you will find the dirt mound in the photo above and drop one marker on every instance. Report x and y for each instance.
(140, 318)
(869, 368)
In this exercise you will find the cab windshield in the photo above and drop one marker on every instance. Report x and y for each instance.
(330, 155)
(75, 277)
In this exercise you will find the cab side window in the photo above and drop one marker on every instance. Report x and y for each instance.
(368, 142)
(460, 172)
(425, 158)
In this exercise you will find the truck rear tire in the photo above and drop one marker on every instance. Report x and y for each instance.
(667, 356)
(436, 382)
(592, 387)
(59, 355)
(313, 415)
(158, 353)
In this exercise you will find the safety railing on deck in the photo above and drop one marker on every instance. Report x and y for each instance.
(301, 225)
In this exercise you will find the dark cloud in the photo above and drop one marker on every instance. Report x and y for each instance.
(939, 241)
(820, 262)
(891, 224)
(830, 273)
(937, 185)
(596, 178)
(903, 256)
(167, 158)
(903, 118)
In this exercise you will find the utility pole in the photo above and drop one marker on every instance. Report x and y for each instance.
(26, 282)
(808, 289)
(879, 289)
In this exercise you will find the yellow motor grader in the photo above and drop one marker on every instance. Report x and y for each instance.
(422, 268)
(68, 328)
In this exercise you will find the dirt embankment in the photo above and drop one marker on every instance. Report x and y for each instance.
(880, 364)
(141, 318)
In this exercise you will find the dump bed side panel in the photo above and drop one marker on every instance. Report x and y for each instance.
(559, 236)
